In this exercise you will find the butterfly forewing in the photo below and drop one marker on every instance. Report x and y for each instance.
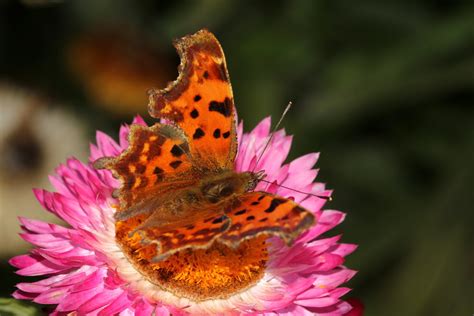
(201, 102)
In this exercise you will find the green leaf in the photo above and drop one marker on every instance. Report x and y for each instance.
(12, 307)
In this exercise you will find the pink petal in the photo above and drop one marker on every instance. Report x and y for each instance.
(338, 309)
(309, 272)
(263, 128)
(31, 287)
(20, 295)
(317, 302)
(51, 296)
(326, 262)
(107, 145)
(119, 304)
(104, 298)
(41, 267)
(95, 153)
(41, 227)
(341, 291)
(314, 292)
(299, 285)
(305, 162)
(143, 308)
(327, 221)
(23, 261)
(72, 301)
(334, 278)
(344, 249)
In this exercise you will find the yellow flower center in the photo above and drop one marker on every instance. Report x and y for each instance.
(202, 274)
(197, 274)
(216, 272)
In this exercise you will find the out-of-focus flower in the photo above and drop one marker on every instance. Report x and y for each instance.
(34, 139)
(117, 71)
(88, 272)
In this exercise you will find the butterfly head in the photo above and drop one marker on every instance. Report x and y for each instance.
(253, 178)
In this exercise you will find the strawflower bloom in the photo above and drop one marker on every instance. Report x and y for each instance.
(87, 273)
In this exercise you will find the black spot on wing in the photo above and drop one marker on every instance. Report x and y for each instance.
(204, 231)
(175, 164)
(226, 135)
(207, 220)
(274, 204)
(224, 108)
(159, 174)
(194, 113)
(197, 97)
(217, 133)
(219, 219)
(198, 133)
(176, 151)
(240, 212)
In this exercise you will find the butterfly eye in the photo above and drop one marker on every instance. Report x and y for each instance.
(226, 191)
(214, 192)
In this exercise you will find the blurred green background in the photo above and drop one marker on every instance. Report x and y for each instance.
(383, 89)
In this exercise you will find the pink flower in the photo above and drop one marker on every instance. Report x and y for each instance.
(86, 272)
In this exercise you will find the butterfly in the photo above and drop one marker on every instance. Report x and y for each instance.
(179, 189)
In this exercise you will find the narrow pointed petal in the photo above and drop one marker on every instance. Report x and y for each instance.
(85, 271)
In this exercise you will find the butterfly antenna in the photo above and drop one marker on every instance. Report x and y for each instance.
(288, 188)
(272, 133)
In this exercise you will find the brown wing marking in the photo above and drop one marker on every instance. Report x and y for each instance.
(156, 160)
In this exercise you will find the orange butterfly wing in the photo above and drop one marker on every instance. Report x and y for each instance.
(197, 230)
(201, 102)
(264, 213)
(160, 211)
(164, 158)
(156, 161)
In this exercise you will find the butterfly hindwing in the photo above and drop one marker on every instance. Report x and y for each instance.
(264, 213)
(201, 102)
(196, 230)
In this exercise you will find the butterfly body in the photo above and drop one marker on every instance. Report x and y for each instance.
(227, 185)
(179, 187)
